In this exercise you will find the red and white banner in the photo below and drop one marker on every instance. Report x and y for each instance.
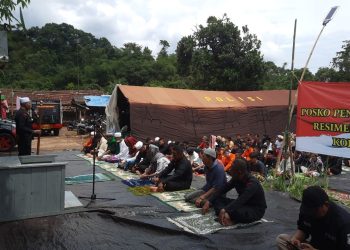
(323, 118)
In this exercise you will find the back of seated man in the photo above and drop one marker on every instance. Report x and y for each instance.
(255, 166)
(248, 207)
(181, 178)
(215, 179)
(270, 160)
(327, 223)
(334, 165)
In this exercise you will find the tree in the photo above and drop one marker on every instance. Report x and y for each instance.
(341, 63)
(223, 58)
(326, 75)
(163, 51)
(276, 77)
(7, 8)
(184, 53)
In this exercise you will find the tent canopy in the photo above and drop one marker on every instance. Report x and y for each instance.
(179, 114)
(204, 99)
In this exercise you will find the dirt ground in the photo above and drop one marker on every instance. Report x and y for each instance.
(67, 140)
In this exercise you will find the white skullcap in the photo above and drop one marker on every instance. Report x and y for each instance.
(156, 139)
(24, 100)
(211, 152)
(117, 134)
(138, 145)
(170, 142)
(92, 133)
(280, 136)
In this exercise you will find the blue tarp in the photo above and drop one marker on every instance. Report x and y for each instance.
(97, 101)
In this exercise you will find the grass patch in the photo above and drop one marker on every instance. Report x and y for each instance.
(294, 186)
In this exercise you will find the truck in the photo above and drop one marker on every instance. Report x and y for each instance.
(50, 116)
(7, 135)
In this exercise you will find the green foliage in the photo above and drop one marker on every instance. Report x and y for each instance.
(294, 185)
(7, 17)
(342, 62)
(221, 57)
(184, 53)
(217, 56)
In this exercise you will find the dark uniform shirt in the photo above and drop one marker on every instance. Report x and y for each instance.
(329, 232)
(250, 193)
(23, 123)
(182, 173)
(24, 131)
(257, 167)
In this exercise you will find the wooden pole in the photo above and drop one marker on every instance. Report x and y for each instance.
(39, 135)
(287, 136)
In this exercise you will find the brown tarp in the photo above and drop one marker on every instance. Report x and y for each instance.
(178, 114)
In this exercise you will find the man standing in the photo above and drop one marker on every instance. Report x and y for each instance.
(248, 207)
(327, 223)
(24, 129)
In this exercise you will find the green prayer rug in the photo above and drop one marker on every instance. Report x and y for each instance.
(87, 178)
(173, 196)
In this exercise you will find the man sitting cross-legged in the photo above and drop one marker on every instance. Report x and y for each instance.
(215, 179)
(181, 178)
(248, 207)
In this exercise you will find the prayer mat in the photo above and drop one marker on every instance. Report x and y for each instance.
(140, 191)
(182, 206)
(87, 178)
(137, 182)
(90, 159)
(173, 196)
(124, 175)
(108, 166)
(197, 223)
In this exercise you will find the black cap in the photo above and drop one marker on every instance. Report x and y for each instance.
(313, 198)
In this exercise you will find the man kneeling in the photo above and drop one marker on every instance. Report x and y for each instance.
(248, 207)
(215, 179)
(181, 178)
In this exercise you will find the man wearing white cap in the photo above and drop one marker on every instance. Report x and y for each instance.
(24, 131)
(129, 163)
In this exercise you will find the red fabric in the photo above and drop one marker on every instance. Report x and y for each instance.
(323, 118)
(88, 143)
(4, 107)
(130, 141)
(227, 161)
(330, 96)
(247, 152)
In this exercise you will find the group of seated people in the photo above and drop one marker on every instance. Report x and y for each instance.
(170, 166)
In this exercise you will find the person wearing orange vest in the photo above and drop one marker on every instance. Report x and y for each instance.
(227, 158)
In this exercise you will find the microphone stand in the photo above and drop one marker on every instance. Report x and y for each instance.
(93, 196)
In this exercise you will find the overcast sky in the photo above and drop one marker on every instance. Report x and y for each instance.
(147, 21)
